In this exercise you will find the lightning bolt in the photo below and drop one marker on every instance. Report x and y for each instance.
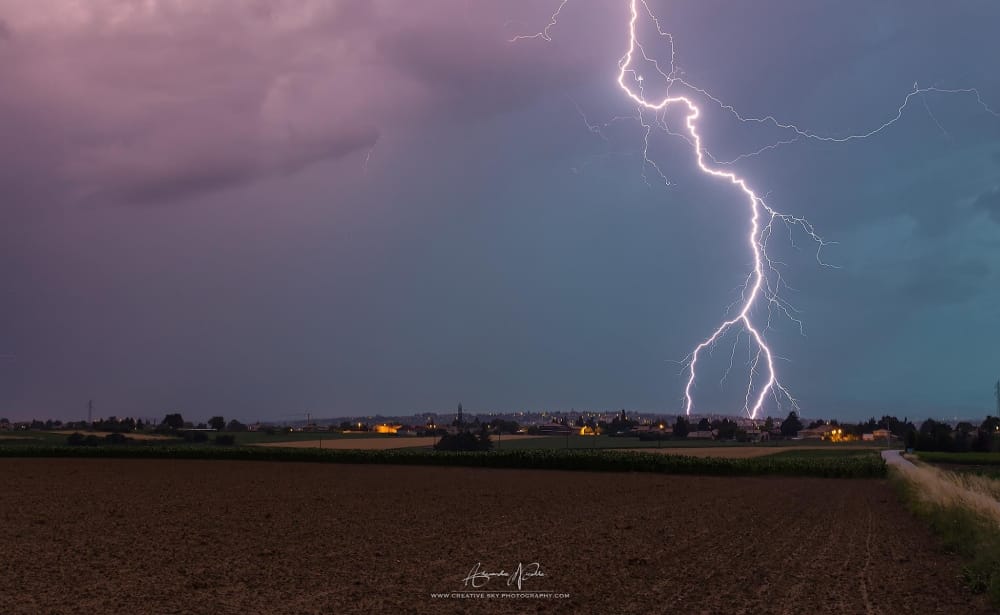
(368, 158)
(544, 33)
(764, 281)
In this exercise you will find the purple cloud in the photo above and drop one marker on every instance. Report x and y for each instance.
(145, 105)
(156, 102)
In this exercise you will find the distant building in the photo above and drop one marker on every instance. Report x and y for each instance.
(817, 433)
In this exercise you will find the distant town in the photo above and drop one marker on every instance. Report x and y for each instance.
(621, 423)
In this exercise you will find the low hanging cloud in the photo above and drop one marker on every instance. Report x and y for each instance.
(146, 103)
(156, 101)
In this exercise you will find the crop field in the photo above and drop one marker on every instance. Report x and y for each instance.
(748, 452)
(380, 443)
(574, 441)
(986, 465)
(153, 536)
(979, 459)
(262, 437)
(830, 466)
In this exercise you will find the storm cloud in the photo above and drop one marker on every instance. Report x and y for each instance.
(278, 206)
(989, 202)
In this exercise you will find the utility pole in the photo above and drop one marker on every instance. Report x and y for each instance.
(90, 412)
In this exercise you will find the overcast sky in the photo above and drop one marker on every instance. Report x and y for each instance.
(266, 208)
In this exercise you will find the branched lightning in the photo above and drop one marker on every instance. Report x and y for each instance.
(544, 33)
(764, 282)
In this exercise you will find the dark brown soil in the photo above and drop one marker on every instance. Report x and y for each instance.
(153, 536)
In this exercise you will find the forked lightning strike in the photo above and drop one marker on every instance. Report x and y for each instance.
(764, 281)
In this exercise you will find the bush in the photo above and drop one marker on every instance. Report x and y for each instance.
(116, 438)
(235, 425)
(75, 439)
(195, 436)
(225, 439)
(464, 441)
(653, 435)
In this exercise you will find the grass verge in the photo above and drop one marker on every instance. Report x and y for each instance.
(600, 460)
(962, 531)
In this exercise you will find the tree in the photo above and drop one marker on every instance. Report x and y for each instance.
(991, 424)
(769, 424)
(503, 426)
(704, 425)
(217, 423)
(464, 441)
(869, 426)
(174, 421)
(935, 436)
(791, 426)
(728, 430)
(987, 437)
(116, 438)
(681, 427)
(235, 425)
(619, 425)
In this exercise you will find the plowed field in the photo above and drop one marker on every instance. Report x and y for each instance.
(219, 537)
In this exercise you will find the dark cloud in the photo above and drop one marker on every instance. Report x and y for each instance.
(936, 281)
(989, 202)
(476, 73)
(156, 109)
(187, 171)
